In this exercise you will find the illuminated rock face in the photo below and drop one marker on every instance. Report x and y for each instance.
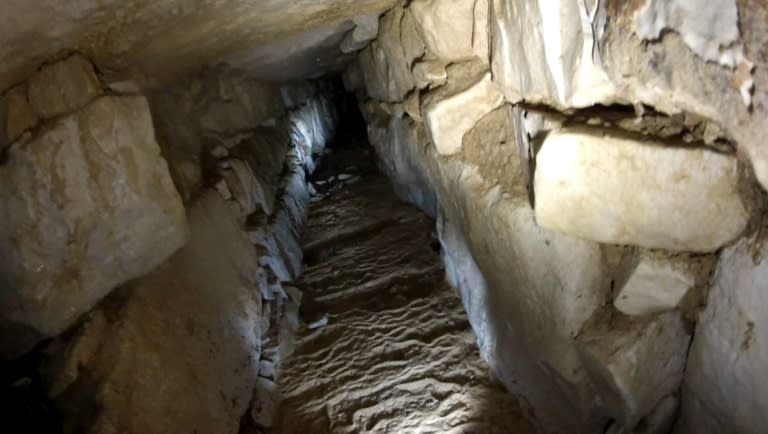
(618, 190)
(87, 204)
(587, 173)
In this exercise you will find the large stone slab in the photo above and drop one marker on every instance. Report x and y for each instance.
(609, 188)
(544, 52)
(725, 389)
(452, 30)
(449, 118)
(85, 206)
(176, 350)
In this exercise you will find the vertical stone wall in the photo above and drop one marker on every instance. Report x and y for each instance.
(597, 173)
(170, 310)
(86, 201)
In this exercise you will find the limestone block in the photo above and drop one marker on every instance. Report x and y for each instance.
(86, 205)
(544, 52)
(63, 87)
(163, 336)
(635, 364)
(450, 118)
(448, 28)
(725, 387)
(609, 188)
(657, 283)
(20, 115)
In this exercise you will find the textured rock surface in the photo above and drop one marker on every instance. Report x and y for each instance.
(725, 390)
(397, 354)
(645, 103)
(635, 365)
(196, 337)
(595, 185)
(366, 29)
(710, 29)
(452, 30)
(161, 336)
(543, 52)
(656, 284)
(123, 37)
(63, 87)
(87, 204)
(402, 165)
(20, 114)
(450, 118)
(503, 300)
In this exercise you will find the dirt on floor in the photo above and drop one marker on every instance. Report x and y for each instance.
(384, 344)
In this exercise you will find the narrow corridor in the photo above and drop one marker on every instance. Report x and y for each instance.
(397, 354)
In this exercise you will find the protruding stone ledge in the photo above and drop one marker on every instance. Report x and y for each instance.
(614, 189)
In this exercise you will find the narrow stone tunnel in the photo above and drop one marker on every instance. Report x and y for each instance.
(380, 216)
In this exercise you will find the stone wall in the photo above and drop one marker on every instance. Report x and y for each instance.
(596, 169)
(169, 310)
(86, 202)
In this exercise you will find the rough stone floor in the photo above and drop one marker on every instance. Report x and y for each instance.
(397, 354)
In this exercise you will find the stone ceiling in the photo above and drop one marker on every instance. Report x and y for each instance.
(164, 38)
